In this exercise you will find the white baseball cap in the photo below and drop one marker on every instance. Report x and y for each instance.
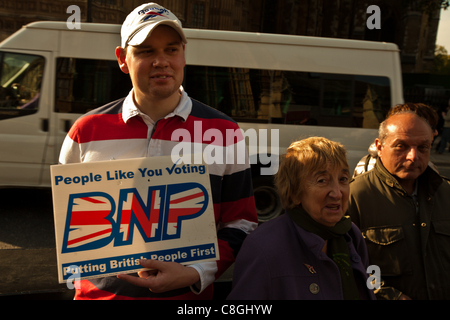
(140, 23)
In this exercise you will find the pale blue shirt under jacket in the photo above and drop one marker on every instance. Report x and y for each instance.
(281, 261)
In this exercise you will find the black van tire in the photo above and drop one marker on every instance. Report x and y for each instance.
(268, 203)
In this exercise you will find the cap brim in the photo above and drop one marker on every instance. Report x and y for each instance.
(145, 32)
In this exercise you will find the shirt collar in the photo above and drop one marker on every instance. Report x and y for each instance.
(183, 109)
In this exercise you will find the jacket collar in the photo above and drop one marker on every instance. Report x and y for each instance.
(430, 179)
(312, 241)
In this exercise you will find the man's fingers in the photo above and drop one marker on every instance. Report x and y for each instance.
(162, 276)
(147, 273)
(152, 264)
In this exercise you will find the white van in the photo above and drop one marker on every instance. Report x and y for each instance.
(301, 86)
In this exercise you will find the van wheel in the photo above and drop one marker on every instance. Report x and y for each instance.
(268, 203)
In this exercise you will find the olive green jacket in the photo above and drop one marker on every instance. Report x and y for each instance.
(409, 239)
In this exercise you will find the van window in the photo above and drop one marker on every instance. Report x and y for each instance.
(20, 84)
(290, 97)
(86, 84)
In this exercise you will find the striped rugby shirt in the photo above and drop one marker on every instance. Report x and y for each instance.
(118, 130)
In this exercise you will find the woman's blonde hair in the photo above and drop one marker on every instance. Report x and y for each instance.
(302, 158)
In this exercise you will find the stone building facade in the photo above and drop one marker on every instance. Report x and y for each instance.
(412, 30)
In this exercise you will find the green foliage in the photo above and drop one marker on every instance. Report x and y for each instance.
(441, 61)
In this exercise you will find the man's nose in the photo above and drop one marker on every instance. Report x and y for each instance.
(412, 154)
(160, 60)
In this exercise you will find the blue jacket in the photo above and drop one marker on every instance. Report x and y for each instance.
(281, 261)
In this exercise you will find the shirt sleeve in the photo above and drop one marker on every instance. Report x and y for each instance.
(70, 151)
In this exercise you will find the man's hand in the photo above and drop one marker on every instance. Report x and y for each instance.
(165, 276)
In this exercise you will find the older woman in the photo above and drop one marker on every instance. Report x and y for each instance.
(313, 251)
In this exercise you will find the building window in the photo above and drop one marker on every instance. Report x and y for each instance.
(198, 15)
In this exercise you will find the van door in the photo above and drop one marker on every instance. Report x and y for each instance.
(24, 115)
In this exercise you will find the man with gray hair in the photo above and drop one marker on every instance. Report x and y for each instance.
(402, 208)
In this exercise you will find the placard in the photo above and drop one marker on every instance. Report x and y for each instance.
(110, 214)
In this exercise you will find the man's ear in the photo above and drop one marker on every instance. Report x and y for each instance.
(121, 55)
(378, 145)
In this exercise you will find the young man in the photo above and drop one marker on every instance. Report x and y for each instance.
(141, 125)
